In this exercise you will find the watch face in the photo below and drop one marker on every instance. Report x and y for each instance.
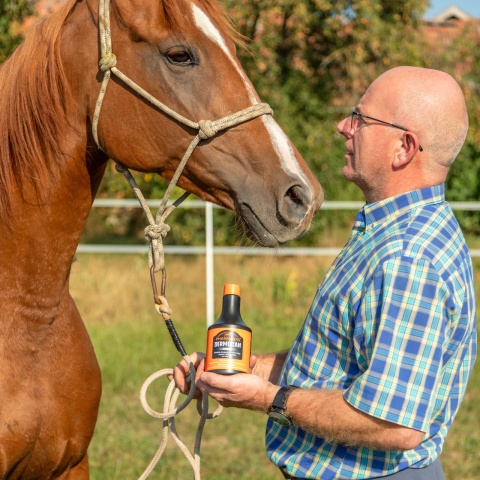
(280, 418)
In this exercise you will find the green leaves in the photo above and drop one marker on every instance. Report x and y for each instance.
(11, 15)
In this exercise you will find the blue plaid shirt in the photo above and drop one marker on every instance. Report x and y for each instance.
(393, 325)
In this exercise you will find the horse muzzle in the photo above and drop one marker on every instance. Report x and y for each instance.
(292, 217)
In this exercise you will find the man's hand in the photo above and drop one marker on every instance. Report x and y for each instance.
(181, 373)
(241, 390)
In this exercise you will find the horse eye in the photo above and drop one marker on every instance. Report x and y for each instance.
(180, 57)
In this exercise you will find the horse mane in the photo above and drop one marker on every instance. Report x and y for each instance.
(33, 89)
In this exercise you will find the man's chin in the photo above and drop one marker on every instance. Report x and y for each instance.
(347, 173)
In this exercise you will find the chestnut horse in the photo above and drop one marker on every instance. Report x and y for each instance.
(181, 52)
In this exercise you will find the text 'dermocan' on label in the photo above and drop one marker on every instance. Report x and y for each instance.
(227, 344)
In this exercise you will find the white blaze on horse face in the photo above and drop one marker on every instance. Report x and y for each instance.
(284, 150)
(280, 141)
(209, 29)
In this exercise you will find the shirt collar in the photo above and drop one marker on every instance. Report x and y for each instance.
(375, 213)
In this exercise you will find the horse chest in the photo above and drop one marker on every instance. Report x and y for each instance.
(49, 394)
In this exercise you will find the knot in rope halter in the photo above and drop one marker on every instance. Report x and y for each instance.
(107, 62)
(205, 129)
(157, 230)
(154, 233)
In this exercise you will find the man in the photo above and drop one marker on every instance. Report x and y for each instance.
(382, 361)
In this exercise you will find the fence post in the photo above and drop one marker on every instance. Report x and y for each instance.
(209, 262)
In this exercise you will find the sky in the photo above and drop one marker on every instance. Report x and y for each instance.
(472, 7)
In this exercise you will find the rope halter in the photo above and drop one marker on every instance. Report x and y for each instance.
(157, 229)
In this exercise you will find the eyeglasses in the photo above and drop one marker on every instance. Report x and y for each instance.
(356, 115)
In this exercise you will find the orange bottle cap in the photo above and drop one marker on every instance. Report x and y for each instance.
(231, 289)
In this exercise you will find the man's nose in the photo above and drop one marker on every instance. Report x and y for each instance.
(343, 127)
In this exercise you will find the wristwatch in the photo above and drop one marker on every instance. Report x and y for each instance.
(278, 409)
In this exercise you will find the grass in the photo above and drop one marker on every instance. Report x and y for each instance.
(114, 296)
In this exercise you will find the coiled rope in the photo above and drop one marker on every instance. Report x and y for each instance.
(168, 417)
(156, 231)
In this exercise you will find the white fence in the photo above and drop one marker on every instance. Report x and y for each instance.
(209, 250)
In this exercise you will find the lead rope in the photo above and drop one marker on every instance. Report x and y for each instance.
(156, 231)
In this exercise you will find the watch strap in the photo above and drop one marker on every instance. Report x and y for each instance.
(281, 397)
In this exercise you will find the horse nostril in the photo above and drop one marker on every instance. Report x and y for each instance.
(296, 195)
(294, 205)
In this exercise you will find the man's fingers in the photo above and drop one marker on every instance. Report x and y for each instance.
(182, 374)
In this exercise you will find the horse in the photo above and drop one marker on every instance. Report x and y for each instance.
(52, 160)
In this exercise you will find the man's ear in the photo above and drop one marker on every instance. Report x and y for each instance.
(407, 150)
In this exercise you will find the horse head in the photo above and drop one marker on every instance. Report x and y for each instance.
(182, 54)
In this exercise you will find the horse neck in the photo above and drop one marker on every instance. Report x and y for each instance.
(37, 248)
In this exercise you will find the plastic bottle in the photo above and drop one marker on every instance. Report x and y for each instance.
(229, 340)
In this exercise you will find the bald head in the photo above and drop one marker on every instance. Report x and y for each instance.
(431, 104)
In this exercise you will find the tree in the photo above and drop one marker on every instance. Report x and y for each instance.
(336, 47)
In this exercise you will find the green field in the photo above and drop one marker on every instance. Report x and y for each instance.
(114, 296)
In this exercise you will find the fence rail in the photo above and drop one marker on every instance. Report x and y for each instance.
(199, 250)
(209, 250)
(327, 205)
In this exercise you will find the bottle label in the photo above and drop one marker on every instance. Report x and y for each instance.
(227, 344)
(228, 349)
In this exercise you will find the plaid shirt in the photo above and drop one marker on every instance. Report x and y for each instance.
(393, 325)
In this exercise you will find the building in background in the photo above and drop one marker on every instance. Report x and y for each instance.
(444, 28)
